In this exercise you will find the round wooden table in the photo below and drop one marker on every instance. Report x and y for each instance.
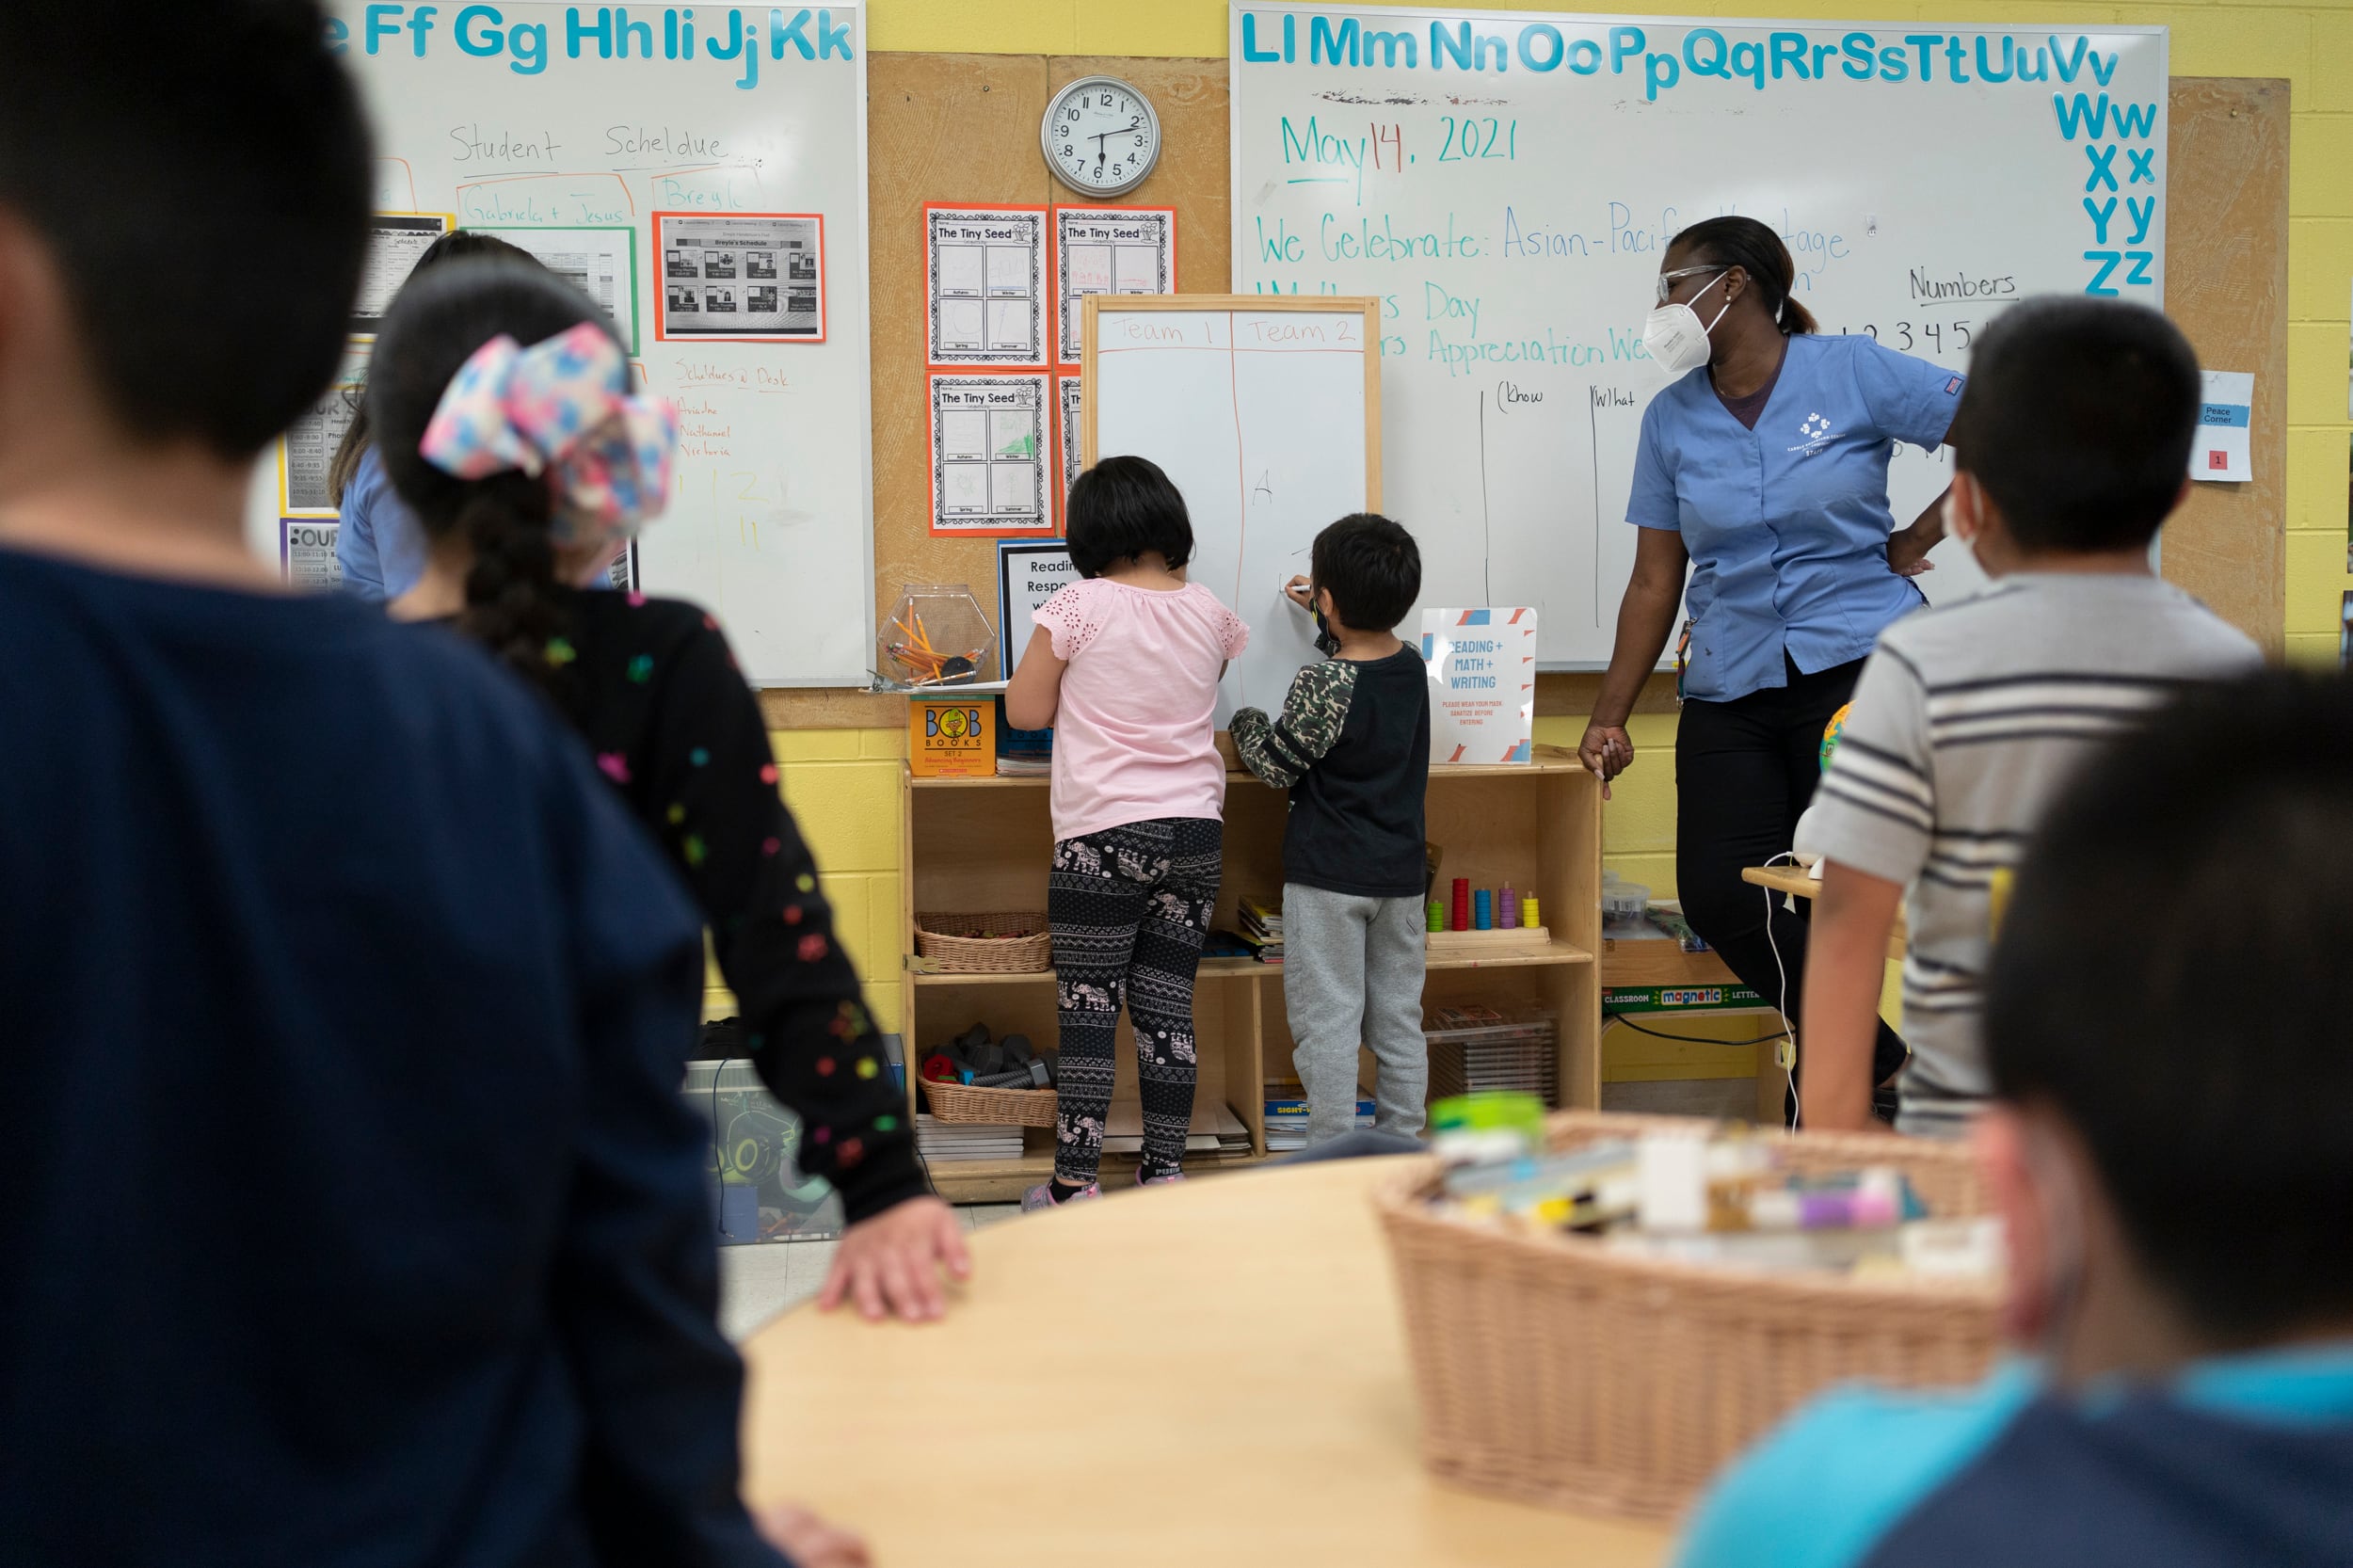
(1207, 1374)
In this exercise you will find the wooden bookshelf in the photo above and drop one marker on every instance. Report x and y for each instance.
(979, 845)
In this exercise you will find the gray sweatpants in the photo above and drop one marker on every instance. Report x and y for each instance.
(1352, 973)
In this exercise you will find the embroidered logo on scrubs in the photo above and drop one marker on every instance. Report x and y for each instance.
(1813, 435)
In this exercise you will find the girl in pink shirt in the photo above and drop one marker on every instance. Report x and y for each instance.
(1123, 666)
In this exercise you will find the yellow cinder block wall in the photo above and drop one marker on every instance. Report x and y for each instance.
(843, 784)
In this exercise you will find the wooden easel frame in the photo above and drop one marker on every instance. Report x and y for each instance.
(1338, 305)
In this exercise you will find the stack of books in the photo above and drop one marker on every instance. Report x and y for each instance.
(949, 1141)
(1262, 928)
(1286, 1117)
(1022, 753)
(1214, 1129)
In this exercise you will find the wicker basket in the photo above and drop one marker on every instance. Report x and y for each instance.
(1556, 1372)
(942, 939)
(961, 1103)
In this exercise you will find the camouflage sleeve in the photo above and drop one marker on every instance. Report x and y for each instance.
(1281, 750)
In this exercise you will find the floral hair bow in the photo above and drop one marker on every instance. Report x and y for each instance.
(560, 407)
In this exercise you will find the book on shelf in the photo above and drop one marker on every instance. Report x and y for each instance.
(1286, 1117)
(1261, 928)
(1214, 1129)
(952, 1141)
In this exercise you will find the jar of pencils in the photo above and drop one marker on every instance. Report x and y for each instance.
(937, 636)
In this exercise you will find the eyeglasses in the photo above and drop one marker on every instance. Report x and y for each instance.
(1667, 281)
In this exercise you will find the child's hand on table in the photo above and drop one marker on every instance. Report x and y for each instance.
(808, 1540)
(891, 1262)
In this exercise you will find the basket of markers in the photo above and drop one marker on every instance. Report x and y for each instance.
(1602, 1309)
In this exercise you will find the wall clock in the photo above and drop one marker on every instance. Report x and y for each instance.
(1101, 136)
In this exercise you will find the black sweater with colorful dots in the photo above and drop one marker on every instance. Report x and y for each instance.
(653, 687)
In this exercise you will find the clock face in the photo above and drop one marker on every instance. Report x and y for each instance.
(1101, 136)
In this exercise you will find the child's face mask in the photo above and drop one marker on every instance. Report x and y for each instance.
(1962, 521)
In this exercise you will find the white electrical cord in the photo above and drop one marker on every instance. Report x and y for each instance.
(1796, 1106)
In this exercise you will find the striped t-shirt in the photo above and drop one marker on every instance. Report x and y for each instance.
(1966, 724)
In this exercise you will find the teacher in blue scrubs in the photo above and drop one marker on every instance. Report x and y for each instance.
(1763, 474)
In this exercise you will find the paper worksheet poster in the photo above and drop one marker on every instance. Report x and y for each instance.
(989, 456)
(306, 552)
(307, 450)
(600, 263)
(395, 240)
(1483, 684)
(1073, 438)
(744, 277)
(1029, 572)
(2223, 451)
(1109, 251)
(985, 270)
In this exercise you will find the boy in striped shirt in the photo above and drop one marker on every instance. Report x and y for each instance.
(2071, 446)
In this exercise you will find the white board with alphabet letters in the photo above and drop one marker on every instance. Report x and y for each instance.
(1266, 416)
(1505, 181)
(725, 150)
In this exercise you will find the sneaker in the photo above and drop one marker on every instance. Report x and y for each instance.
(1042, 1196)
(1170, 1179)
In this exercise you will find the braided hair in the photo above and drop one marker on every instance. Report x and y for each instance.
(513, 603)
(1755, 249)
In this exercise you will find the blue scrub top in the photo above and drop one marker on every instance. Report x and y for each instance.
(380, 546)
(1787, 524)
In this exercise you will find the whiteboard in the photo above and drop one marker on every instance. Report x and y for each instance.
(1267, 419)
(748, 125)
(1506, 182)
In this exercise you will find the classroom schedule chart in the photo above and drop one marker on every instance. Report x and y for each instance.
(743, 277)
(1505, 184)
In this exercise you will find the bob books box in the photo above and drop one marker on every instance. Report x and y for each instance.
(953, 738)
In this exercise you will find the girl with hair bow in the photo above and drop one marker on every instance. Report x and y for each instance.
(501, 407)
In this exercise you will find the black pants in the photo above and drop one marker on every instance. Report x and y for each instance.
(1129, 906)
(1745, 770)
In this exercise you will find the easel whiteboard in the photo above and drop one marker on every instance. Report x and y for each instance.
(1507, 180)
(747, 133)
(1266, 415)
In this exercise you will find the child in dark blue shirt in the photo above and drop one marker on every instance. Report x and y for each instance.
(351, 1215)
(2177, 1182)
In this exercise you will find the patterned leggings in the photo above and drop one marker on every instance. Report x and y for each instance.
(1129, 908)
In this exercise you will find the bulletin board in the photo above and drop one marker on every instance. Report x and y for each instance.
(713, 201)
(963, 128)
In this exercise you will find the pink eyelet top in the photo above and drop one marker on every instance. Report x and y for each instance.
(1134, 732)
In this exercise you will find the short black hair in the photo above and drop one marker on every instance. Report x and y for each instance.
(1121, 508)
(154, 163)
(2077, 419)
(1372, 567)
(2170, 981)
